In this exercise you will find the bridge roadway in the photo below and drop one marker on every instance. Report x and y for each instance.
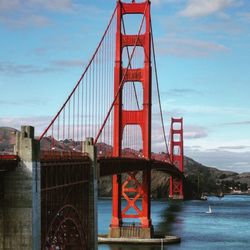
(114, 165)
(107, 165)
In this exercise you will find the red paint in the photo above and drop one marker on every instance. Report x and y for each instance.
(8, 157)
(176, 157)
(123, 118)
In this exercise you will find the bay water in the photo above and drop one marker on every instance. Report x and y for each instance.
(227, 227)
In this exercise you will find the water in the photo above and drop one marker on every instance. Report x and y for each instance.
(228, 227)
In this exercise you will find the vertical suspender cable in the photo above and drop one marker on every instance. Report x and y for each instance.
(122, 80)
(82, 76)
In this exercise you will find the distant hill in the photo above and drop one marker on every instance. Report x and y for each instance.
(7, 139)
(199, 178)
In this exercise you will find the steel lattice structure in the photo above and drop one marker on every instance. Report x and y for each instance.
(64, 202)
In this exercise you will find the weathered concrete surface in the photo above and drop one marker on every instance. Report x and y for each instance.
(36, 205)
(19, 206)
(17, 209)
(160, 240)
(90, 149)
(131, 232)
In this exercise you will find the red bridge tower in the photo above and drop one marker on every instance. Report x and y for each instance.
(140, 191)
(176, 157)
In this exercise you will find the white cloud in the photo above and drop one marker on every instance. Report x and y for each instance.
(55, 5)
(23, 102)
(221, 159)
(68, 63)
(245, 16)
(6, 5)
(185, 47)
(195, 132)
(39, 122)
(198, 8)
(181, 92)
(211, 110)
(37, 13)
(234, 148)
(12, 68)
(31, 20)
(31, 13)
(237, 123)
(159, 2)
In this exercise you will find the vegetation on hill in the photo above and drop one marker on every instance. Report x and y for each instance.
(210, 180)
(7, 139)
(198, 178)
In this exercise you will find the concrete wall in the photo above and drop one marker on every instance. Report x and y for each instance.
(17, 209)
(88, 147)
(20, 197)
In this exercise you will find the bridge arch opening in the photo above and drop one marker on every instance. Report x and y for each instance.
(177, 150)
(137, 61)
(131, 24)
(176, 126)
(177, 137)
(132, 141)
(132, 96)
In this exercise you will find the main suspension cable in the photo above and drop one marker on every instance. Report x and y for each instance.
(122, 80)
(82, 76)
(158, 90)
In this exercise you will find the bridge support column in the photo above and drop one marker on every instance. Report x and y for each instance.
(90, 149)
(20, 202)
(133, 188)
(177, 158)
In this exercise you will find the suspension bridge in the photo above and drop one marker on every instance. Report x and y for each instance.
(107, 126)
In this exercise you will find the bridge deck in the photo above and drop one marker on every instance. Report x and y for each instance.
(108, 165)
(114, 165)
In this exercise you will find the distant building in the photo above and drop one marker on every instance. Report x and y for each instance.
(237, 191)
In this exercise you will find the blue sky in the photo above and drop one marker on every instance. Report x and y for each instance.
(202, 47)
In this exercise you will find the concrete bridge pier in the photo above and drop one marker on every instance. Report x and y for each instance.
(20, 223)
(90, 149)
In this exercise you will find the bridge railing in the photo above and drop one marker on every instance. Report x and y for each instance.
(8, 157)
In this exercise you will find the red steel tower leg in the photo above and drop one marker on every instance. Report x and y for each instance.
(177, 157)
(123, 118)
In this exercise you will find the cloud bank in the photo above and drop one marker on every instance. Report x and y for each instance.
(198, 8)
